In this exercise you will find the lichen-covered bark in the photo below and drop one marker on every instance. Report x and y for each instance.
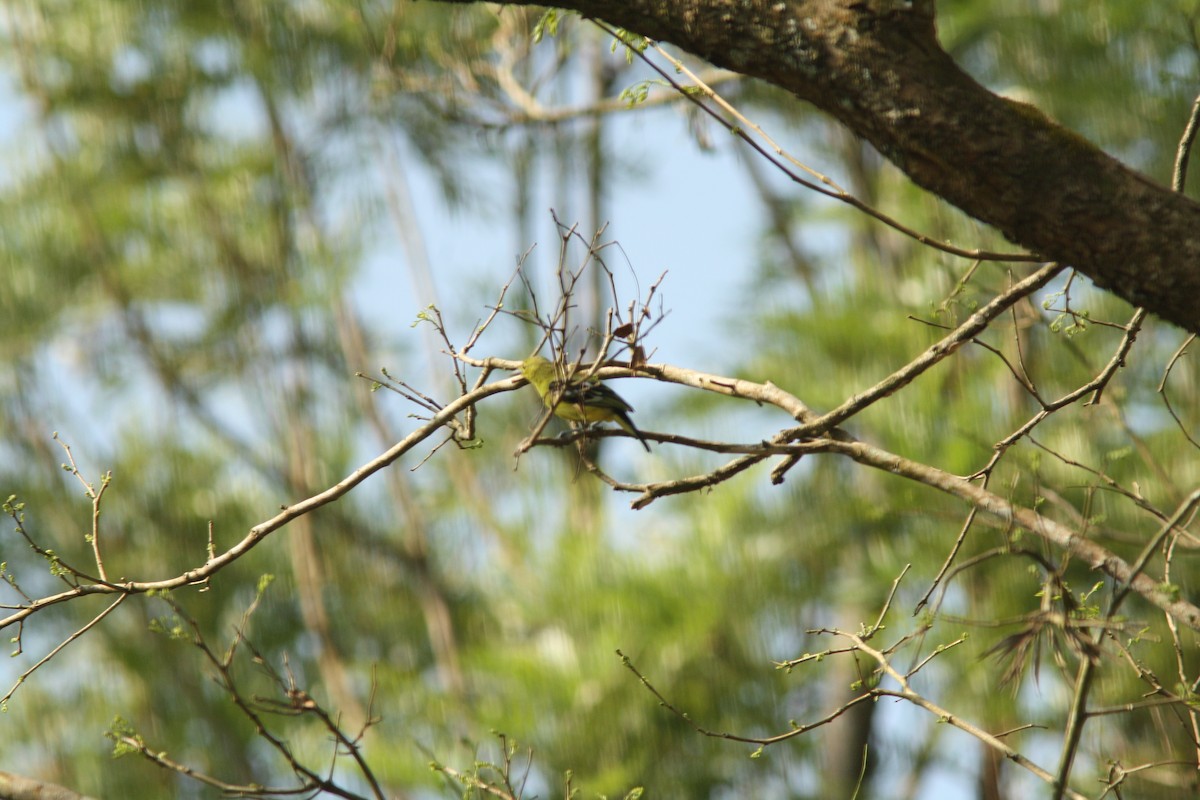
(876, 66)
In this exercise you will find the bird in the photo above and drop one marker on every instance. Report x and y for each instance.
(583, 401)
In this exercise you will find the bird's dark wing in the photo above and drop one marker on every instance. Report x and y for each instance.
(590, 394)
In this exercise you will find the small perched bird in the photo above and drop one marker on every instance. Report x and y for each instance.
(581, 401)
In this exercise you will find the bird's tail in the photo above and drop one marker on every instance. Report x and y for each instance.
(627, 424)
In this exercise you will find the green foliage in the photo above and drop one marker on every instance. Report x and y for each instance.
(1120, 76)
(119, 729)
(547, 24)
(180, 294)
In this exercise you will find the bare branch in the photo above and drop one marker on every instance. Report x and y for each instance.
(258, 533)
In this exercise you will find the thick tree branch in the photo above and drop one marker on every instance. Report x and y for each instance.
(16, 787)
(877, 67)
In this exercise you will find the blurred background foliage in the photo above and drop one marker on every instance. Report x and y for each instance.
(191, 196)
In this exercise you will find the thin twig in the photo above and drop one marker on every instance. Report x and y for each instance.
(95, 621)
(1184, 151)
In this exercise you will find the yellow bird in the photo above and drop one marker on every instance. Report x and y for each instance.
(582, 401)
